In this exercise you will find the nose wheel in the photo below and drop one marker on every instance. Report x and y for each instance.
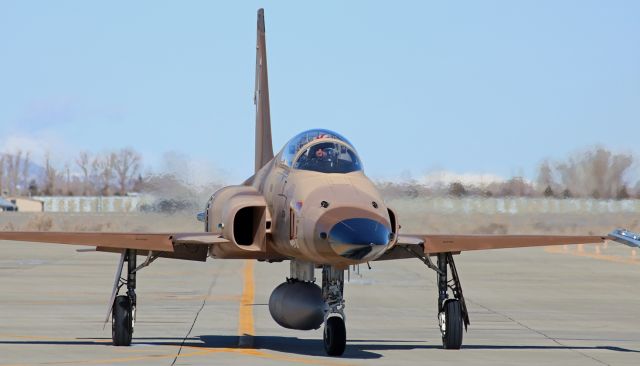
(335, 336)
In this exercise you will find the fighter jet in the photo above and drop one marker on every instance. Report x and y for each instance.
(312, 205)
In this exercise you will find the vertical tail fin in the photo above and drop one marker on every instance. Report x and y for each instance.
(264, 147)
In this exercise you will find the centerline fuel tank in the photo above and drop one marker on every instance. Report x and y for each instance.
(297, 305)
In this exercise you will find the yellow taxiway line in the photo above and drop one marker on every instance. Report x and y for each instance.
(246, 328)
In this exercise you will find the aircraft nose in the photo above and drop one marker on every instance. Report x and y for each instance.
(359, 238)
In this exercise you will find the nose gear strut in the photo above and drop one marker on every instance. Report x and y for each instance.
(335, 333)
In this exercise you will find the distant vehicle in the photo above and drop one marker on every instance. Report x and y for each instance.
(311, 205)
(6, 205)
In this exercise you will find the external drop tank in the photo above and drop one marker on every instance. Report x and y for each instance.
(297, 305)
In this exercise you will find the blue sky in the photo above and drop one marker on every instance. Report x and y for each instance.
(465, 86)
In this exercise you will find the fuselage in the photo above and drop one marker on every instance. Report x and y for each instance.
(327, 213)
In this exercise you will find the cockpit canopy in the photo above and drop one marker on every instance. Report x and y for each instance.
(321, 151)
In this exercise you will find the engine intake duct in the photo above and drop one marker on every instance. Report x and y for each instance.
(248, 225)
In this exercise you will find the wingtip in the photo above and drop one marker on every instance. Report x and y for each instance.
(626, 237)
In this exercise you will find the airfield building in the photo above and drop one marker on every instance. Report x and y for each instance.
(27, 204)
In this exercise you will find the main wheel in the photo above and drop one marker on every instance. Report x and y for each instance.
(452, 325)
(335, 336)
(122, 321)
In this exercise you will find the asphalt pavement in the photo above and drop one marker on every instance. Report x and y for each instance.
(555, 306)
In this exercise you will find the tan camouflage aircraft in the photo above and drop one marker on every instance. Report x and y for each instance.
(311, 205)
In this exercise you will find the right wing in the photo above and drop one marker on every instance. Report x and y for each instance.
(190, 246)
(142, 241)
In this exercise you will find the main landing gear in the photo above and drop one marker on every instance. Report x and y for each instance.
(335, 332)
(452, 312)
(122, 308)
(123, 312)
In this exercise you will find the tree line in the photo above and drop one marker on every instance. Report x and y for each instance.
(594, 173)
(112, 173)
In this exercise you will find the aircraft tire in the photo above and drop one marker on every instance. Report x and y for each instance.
(122, 321)
(335, 336)
(452, 337)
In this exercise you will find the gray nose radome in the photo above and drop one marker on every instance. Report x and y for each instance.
(359, 238)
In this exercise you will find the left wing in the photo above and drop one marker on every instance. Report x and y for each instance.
(459, 243)
(433, 244)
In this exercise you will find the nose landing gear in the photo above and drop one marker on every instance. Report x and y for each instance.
(335, 332)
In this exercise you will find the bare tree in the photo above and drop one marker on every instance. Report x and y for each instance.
(597, 173)
(127, 163)
(545, 182)
(15, 172)
(457, 189)
(50, 176)
(94, 175)
(2, 170)
(67, 181)
(33, 188)
(105, 165)
(25, 172)
(623, 194)
(9, 174)
(83, 162)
